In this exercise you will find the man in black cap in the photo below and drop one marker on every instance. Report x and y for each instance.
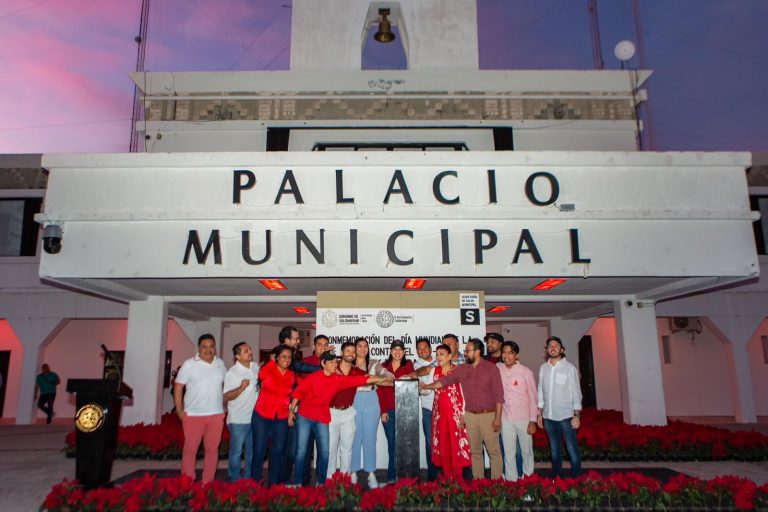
(493, 341)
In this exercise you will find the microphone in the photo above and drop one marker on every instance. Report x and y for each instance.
(108, 355)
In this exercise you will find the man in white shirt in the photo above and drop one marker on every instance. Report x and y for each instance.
(201, 408)
(241, 390)
(427, 398)
(559, 404)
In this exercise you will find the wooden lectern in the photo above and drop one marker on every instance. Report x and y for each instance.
(96, 422)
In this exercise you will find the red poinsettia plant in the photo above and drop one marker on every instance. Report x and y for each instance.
(618, 491)
(603, 436)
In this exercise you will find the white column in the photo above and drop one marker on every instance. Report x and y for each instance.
(571, 332)
(34, 334)
(144, 360)
(736, 331)
(642, 388)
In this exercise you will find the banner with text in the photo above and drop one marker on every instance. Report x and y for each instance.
(383, 317)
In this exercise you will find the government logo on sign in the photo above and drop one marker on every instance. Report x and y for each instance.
(330, 319)
(385, 319)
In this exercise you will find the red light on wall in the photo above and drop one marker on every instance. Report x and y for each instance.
(302, 310)
(498, 309)
(414, 284)
(273, 284)
(548, 284)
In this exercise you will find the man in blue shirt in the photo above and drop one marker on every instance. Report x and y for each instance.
(45, 387)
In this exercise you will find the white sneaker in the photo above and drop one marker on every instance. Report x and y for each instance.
(372, 482)
(353, 475)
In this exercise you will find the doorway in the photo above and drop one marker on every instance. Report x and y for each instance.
(587, 373)
(5, 362)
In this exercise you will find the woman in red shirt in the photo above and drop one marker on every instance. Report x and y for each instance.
(399, 367)
(314, 395)
(269, 420)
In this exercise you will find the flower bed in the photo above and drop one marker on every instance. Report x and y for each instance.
(603, 436)
(588, 492)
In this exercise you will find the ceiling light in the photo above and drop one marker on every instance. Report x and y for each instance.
(273, 284)
(302, 310)
(414, 284)
(498, 309)
(548, 284)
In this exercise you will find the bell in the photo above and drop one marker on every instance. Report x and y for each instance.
(385, 34)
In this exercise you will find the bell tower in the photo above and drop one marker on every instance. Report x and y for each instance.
(435, 34)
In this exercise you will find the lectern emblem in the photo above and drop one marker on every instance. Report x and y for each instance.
(89, 417)
(385, 318)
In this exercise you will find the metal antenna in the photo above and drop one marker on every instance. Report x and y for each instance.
(594, 30)
(138, 107)
(647, 117)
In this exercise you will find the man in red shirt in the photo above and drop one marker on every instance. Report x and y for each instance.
(342, 428)
(315, 394)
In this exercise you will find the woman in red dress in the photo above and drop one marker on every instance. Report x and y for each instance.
(450, 445)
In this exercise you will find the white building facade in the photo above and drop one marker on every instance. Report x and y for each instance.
(328, 177)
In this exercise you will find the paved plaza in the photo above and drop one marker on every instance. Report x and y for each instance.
(31, 462)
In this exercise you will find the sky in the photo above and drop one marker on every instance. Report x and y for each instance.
(64, 83)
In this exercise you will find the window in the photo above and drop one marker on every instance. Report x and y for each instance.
(18, 229)
(764, 339)
(666, 350)
(390, 146)
(760, 203)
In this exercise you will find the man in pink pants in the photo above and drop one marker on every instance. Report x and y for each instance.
(201, 406)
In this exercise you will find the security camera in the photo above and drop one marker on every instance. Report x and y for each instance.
(52, 239)
(629, 303)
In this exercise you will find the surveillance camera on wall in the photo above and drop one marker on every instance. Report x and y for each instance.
(52, 239)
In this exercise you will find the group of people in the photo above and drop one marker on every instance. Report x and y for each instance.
(330, 406)
(489, 400)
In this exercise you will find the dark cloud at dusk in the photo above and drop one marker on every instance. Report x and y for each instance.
(65, 86)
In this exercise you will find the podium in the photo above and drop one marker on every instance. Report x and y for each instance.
(407, 425)
(96, 422)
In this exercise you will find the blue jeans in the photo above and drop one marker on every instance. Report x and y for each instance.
(426, 426)
(556, 430)
(264, 431)
(240, 443)
(45, 404)
(289, 456)
(304, 427)
(367, 415)
(389, 431)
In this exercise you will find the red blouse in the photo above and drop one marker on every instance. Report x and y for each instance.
(318, 389)
(387, 393)
(275, 394)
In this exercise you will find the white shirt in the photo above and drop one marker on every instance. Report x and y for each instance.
(240, 409)
(559, 390)
(427, 397)
(203, 381)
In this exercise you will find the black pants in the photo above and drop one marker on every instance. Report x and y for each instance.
(45, 404)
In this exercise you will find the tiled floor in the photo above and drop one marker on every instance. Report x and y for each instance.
(31, 462)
